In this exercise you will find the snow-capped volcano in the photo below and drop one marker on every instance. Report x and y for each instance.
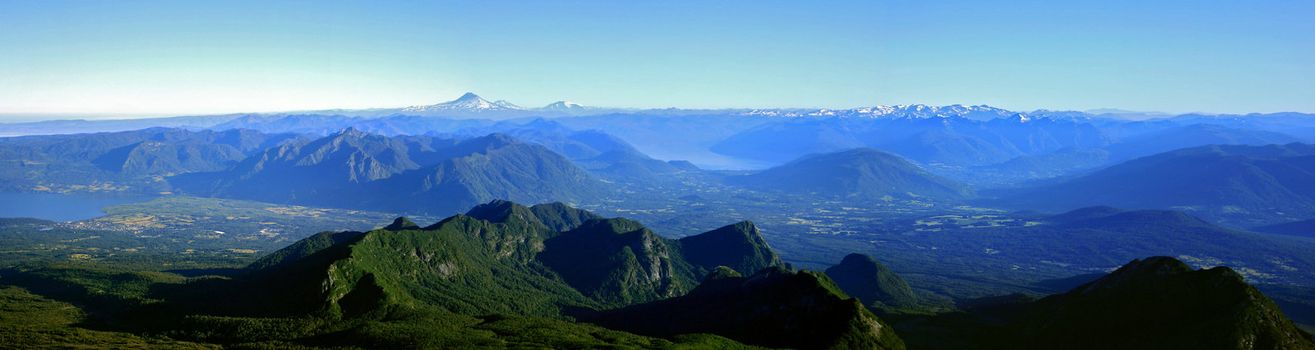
(564, 106)
(469, 102)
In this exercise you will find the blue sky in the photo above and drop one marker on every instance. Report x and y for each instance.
(184, 57)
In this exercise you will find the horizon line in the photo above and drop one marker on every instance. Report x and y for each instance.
(39, 116)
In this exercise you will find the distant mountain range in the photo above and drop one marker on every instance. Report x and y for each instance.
(112, 162)
(529, 160)
(925, 138)
(392, 168)
(955, 141)
(354, 169)
(1247, 185)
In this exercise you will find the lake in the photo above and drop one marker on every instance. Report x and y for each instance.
(61, 207)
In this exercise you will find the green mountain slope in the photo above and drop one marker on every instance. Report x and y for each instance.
(462, 264)
(619, 262)
(1161, 303)
(503, 258)
(1152, 303)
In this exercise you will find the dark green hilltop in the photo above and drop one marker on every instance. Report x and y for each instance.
(868, 280)
(1152, 303)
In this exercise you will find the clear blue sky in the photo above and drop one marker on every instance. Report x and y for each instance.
(175, 57)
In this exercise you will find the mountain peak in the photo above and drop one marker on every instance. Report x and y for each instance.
(721, 273)
(468, 102)
(856, 258)
(402, 223)
(491, 141)
(739, 246)
(497, 210)
(563, 105)
(468, 96)
(1139, 271)
(862, 277)
(351, 131)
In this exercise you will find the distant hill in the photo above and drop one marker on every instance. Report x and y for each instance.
(651, 132)
(1030, 168)
(1302, 228)
(598, 152)
(1241, 184)
(83, 126)
(570, 143)
(1193, 135)
(858, 173)
(297, 123)
(486, 168)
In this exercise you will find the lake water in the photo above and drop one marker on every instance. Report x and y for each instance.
(60, 207)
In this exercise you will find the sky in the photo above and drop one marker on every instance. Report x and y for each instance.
(152, 58)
